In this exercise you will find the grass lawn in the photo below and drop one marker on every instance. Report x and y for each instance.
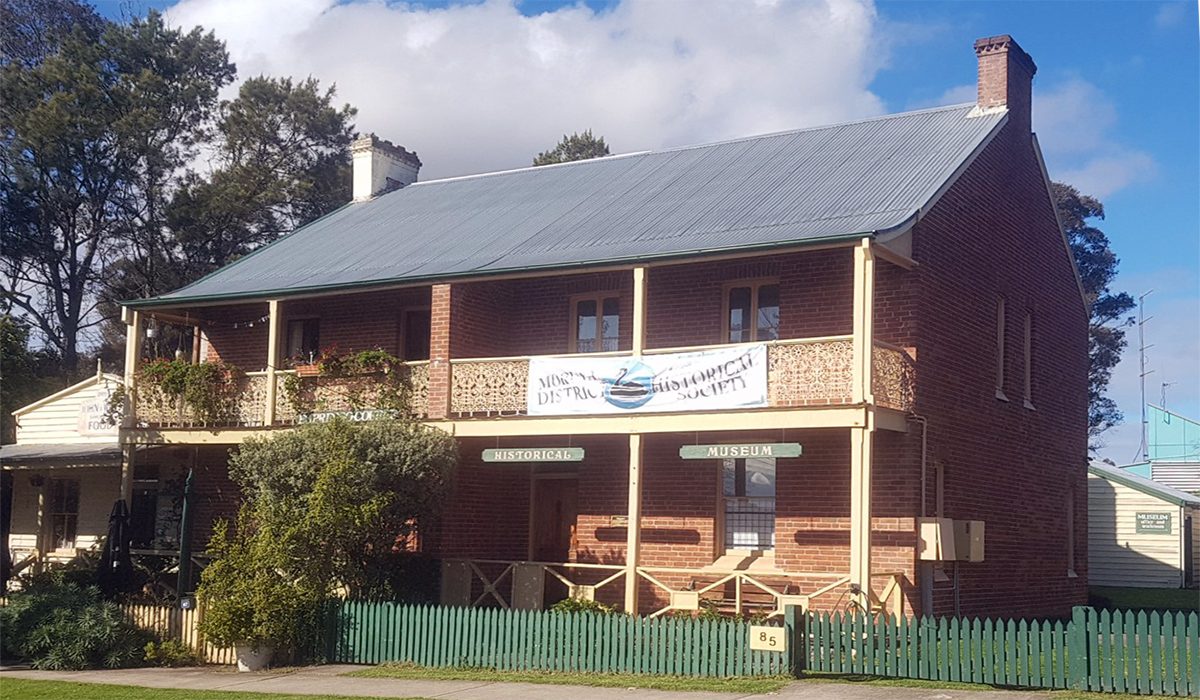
(1184, 599)
(745, 686)
(22, 689)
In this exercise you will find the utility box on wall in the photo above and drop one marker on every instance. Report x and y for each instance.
(944, 539)
(968, 540)
(936, 539)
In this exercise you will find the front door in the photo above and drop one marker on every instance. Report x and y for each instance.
(554, 509)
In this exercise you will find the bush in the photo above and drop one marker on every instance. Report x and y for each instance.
(170, 653)
(60, 625)
(248, 596)
(574, 605)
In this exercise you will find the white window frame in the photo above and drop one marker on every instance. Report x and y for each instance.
(754, 283)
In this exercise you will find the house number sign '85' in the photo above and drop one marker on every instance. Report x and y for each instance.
(766, 638)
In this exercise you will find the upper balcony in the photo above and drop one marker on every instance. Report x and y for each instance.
(467, 351)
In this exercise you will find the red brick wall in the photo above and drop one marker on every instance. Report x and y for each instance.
(357, 322)
(214, 494)
(994, 233)
(685, 302)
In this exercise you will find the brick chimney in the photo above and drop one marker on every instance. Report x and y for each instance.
(1005, 78)
(381, 166)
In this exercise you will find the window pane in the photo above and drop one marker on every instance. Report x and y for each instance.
(585, 326)
(749, 487)
(739, 314)
(611, 328)
(768, 312)
(303, 339)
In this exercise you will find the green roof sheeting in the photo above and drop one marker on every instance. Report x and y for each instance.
(1146, 486)
(786, 189)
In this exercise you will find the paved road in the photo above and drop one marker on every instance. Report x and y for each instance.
(327, 680)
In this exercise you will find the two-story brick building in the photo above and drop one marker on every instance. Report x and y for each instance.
(779, 369)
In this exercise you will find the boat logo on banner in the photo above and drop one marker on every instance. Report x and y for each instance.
(632, 387)
(707, 380)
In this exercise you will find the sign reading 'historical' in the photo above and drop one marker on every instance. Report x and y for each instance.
(726, 378)
(741, 451)
(1153, 523)
(534, 454)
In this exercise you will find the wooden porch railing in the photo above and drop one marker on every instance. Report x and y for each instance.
(497, 585)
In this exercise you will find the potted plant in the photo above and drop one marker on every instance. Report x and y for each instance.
(251, 601)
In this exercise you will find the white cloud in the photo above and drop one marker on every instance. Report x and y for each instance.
(1171, 14)
(481, 87)
(1074, 121)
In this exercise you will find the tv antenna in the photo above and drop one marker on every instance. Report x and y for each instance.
(1144, 450)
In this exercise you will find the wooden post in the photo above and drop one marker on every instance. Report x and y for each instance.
(39, 541)
(275, 319)
(633, 541)
(864, 327)
(861, 449)
(639, 310)
(133, 355)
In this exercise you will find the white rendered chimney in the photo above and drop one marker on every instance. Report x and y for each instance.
(381, 166)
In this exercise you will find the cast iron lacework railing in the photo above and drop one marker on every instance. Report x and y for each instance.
(801, 372)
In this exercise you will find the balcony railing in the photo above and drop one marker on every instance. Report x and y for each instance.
(801, 373)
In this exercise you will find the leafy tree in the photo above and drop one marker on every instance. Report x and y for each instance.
(1097, 265)
(283, 160)
(352, 492)
(574, 147)
(25, 375)
(31, 30)
(90, 137)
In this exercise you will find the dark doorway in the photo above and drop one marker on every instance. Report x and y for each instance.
(416, 326)
(555, 508)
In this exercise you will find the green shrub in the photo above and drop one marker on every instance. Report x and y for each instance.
(573, 605)
(248, 596)
(170, 653)
(62, 626)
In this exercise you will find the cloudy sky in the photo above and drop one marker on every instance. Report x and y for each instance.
(478, 86)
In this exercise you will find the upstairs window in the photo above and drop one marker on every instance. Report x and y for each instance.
(304, 339)
(1000, 331)
(752, 312)
(596, 325)
(414, 341)
(64, 512)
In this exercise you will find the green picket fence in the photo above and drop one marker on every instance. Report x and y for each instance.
(526, 640)
(1125, 652)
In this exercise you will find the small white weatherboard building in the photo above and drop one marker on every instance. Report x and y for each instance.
(63, 474)
(1141, 533)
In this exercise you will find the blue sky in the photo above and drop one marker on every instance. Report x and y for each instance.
(481, 86)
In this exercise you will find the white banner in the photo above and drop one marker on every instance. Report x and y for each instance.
(708, 380)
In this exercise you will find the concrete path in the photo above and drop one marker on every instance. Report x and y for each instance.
(327, 680)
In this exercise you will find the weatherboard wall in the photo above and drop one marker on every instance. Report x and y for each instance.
(1120, 555)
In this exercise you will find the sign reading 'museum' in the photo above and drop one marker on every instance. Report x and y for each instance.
(726, 378)
(534, 454)
(1153, 523)
(741, 451)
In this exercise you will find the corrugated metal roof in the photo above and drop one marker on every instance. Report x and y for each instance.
(759, 192)
(1146, 486)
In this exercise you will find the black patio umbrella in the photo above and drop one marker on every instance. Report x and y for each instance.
(115, 574)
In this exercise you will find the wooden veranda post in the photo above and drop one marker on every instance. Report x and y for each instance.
(862, 438)
(133, 353)
(633, 542)
(273, 336)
